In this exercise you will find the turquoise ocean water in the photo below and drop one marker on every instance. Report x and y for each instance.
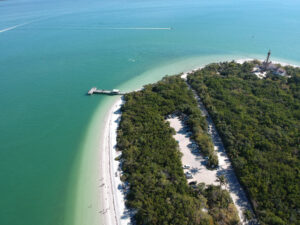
(52, 52)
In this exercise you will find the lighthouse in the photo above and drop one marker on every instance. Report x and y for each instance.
(268, 57)
(267, 64)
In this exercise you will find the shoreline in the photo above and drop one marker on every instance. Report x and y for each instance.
(241, 61)
(112, 197)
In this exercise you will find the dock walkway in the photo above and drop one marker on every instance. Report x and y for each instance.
(94, 90)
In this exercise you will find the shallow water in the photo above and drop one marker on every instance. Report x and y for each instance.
(52, 52)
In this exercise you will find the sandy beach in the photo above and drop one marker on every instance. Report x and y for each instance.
(113, 199)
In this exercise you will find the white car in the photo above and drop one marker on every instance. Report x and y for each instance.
(186, 167)
(188, 176)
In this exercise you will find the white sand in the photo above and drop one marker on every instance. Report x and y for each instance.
(241, 61)
(201, 173)
(113, 198)
(194, 160)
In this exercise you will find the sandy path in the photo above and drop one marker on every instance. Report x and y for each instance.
(113, 198)
(201, 173)
(197, 162)
(225, 168)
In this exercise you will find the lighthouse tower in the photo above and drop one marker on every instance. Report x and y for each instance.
(268, 57)
(266, 64)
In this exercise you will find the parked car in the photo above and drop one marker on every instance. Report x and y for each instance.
(186, 167)
(194, 145)
(188, 175)
(195, 151)
(193, 183)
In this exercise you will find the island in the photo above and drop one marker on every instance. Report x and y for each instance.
(216, 145)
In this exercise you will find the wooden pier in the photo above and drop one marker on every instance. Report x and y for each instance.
(94, 90)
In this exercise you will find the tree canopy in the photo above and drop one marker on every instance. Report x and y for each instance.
(151, 161)
(259, 123)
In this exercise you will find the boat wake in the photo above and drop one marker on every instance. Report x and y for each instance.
(23, 24)
(13, 27)
(82, 28)
(139, 28)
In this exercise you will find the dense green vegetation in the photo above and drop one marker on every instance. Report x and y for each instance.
(151, 160)
(199, 128)
(221, 205)
(259, 123)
